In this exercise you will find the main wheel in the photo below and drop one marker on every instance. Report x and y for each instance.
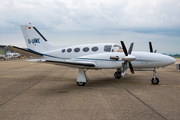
(117, 75)
(155, 81)
(81, 83)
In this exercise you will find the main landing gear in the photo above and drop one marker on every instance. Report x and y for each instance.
(81, 83)
(117, 74)
(82, 77)
(154, 80)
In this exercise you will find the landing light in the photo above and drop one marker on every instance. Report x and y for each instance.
(114, 57)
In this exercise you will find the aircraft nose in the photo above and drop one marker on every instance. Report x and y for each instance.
(170, 60)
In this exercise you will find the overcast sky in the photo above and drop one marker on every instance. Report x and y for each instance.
(95, 21)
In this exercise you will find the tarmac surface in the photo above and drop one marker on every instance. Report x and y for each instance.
(43, 92)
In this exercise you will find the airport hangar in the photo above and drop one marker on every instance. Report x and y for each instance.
(3, 51)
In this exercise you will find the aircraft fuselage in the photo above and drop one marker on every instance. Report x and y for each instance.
(101, 58)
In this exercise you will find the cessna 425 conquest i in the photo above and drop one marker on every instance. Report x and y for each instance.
(91, 56)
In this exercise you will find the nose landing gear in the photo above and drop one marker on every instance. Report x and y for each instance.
(154, 80)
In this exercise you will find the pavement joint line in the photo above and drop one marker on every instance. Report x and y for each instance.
(143, 102)
(89, 81)
(138, 98)
(19, 93)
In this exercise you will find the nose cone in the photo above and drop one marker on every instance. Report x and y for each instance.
(170, 60)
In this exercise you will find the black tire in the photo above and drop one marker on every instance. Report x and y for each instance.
(155, 81)
(81, 83)
(117, 75)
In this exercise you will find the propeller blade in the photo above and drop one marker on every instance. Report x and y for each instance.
(131, 68)
(128, 58)
(130, 48)
(124, 48)
(125, 67)
(150, 47)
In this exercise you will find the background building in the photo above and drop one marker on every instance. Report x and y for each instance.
(3, 51)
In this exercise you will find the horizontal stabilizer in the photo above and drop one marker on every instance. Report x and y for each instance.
(23, 51)
(36, 60)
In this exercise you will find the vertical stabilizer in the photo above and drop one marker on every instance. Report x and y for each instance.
(35, 41)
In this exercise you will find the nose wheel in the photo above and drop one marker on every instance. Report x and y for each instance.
(154, 80)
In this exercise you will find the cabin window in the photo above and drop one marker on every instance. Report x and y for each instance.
(76, 49)
(69, 50)
(86, 49)
(107, 48)
(94, 49)
(63, 50)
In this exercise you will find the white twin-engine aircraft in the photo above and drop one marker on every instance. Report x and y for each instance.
(91, 56)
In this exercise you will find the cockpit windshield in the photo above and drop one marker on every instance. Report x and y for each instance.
(117, 48)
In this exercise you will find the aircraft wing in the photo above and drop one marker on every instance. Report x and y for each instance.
(23, 51)
(69, 63)
(72, 63)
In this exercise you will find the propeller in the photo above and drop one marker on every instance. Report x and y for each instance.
(128, 58)
(151, 48)
(131, 68)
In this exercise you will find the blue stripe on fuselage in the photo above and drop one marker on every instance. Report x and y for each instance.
(96, 59)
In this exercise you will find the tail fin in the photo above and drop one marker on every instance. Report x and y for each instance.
(35, 41)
